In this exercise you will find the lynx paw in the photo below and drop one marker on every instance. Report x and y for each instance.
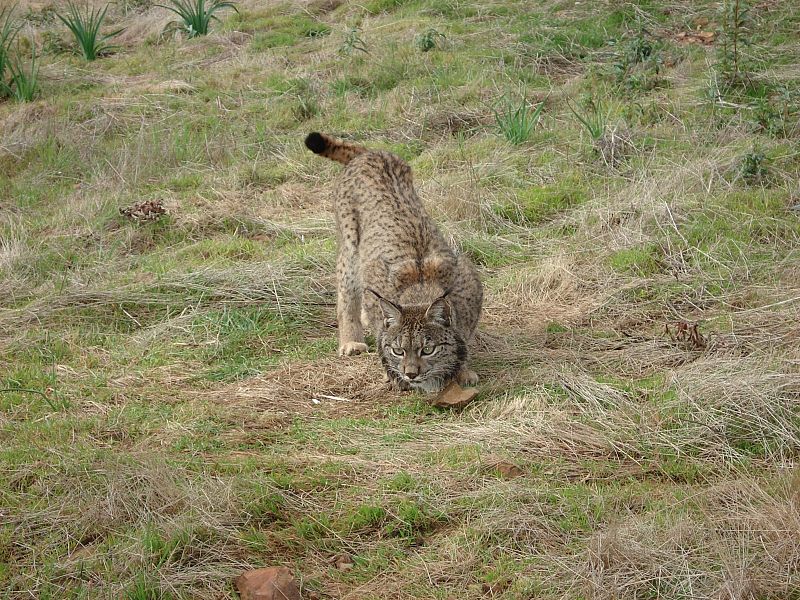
(467, 377)
(351, 348)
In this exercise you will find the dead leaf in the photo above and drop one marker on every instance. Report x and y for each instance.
(270, 583)
(454, 396)
(504, 468)
(687, 334)
(706, 38)
(343, 562)
(508, 470)
(496, 588)
(149, 210)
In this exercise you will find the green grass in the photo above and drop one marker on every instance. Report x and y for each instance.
(172, 408)
(638, 261)
(542, 203)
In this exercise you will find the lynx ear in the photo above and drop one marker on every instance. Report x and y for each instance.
(439, 311)
(391, 311)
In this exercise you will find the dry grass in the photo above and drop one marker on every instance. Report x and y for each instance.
(180, 414)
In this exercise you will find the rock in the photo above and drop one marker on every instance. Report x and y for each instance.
(270, 583)
(454, 396)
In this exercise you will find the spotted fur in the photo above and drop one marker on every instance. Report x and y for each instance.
(396, 274)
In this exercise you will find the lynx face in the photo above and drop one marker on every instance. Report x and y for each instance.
(418, 346)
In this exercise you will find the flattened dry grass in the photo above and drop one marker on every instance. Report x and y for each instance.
(171, 408)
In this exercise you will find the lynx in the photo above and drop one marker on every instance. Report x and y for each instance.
(396, 274)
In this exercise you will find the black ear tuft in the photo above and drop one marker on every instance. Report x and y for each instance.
(392, 313)
(316, 143)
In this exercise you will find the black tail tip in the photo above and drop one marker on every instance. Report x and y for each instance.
(315, 142)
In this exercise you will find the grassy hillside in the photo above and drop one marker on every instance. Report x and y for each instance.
(171, 407)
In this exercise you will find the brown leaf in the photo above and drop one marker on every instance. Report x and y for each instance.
(454, 396)
(343, 562)
(496, 588)
(270, 583)
(508, 470)
(705, 38)
(149, 210)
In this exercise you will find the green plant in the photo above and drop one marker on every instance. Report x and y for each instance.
(307, 107)
(45, 16)
(129, 6)
(595, 121)
(638, 65)
(774, 115)
(353, 41)
(196, 16)
(516, 121)
(735, 22)
(9, 27)
(86, 29)
(753, 167)
(429, 39)
(52, 43)
(26, 84)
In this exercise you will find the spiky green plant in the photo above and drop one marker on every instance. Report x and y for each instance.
(196, 16)
(516, 122)
(9, 27)
(86, 29)
(25, 83)
(595, 122)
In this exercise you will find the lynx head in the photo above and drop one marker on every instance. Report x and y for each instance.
(418, 345)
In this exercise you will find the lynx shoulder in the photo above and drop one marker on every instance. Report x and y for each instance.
(396, 273)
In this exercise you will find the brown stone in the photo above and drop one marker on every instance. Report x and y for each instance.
(454, 396)
(270, 583)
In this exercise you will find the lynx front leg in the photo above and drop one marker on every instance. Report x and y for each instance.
(348, 304)
(467, 376)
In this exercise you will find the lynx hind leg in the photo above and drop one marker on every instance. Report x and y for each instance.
(348, 304)
(467, 377)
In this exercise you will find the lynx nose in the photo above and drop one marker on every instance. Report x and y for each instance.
(411, 372)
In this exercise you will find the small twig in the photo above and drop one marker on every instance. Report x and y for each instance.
(334, 398)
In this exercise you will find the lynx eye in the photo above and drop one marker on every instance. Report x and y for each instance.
(428, 350)
(397, 351)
